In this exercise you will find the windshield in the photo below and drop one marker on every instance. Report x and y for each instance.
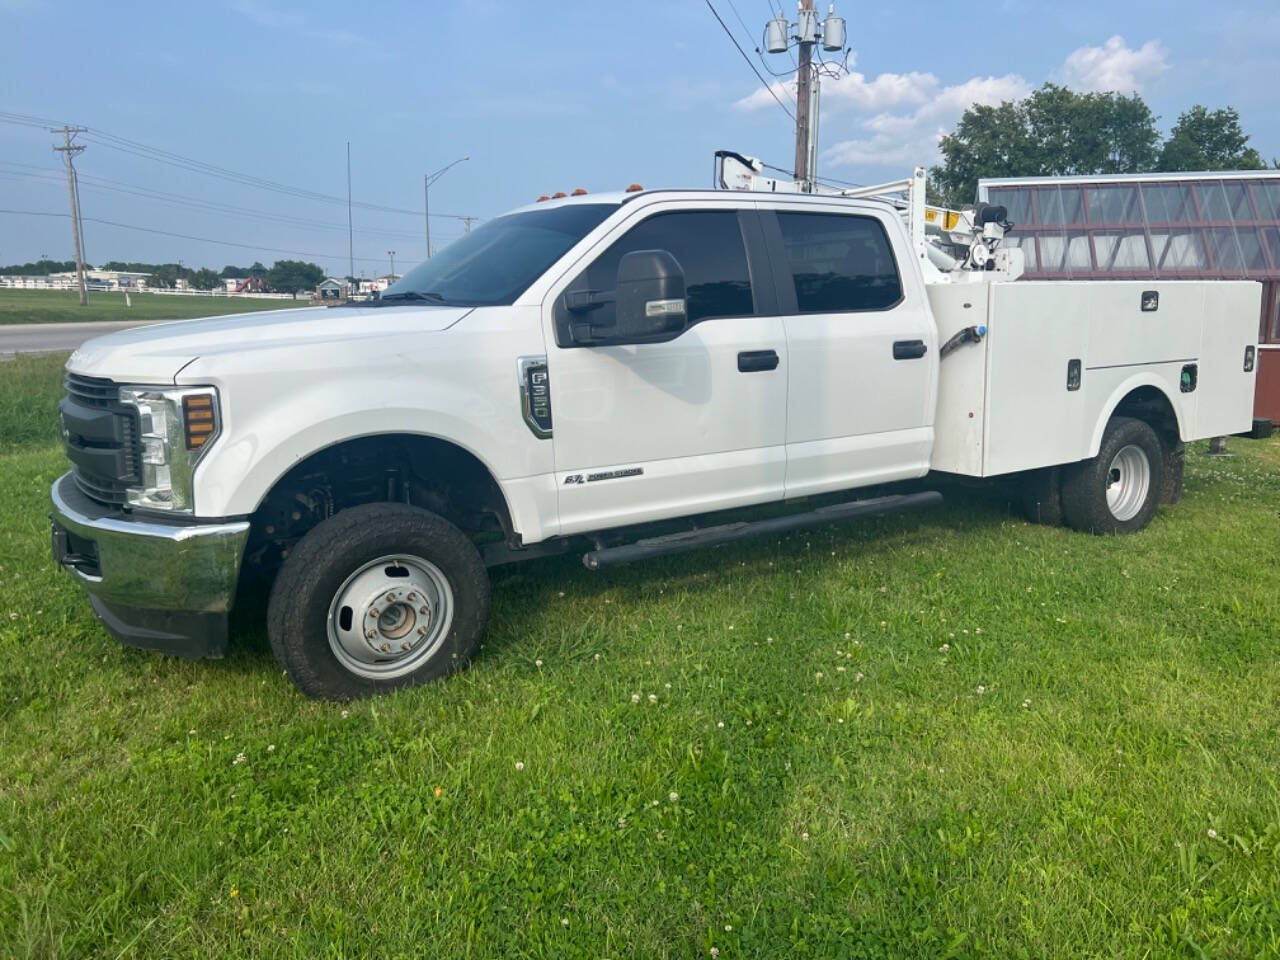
(497, 261)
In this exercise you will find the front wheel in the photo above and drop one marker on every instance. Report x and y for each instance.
(1119, 489)
(379, 597)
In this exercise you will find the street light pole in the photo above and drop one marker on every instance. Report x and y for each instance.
(427, 181)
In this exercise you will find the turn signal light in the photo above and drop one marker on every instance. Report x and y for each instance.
(198, 417)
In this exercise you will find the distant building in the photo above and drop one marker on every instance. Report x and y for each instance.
(1166, 226)
(103, 279)
(331, 289)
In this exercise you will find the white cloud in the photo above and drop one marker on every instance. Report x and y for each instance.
(911, 137)
(894, 120)
(1115, 66)
(277, 18)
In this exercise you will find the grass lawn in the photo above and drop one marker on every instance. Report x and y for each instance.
(60, 306)
(950, 734)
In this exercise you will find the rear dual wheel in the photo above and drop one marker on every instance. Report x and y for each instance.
(1117, 491)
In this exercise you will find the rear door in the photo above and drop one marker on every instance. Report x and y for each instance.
(861, 345)
(646, 431)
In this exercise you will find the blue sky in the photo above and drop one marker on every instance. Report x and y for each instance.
(543, 97)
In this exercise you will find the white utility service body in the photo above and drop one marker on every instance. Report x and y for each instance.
(550, 422)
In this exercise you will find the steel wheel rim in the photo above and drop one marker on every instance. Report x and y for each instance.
(1128, 482)
(390, 616)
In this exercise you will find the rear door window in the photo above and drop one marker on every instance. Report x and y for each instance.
(839, 263)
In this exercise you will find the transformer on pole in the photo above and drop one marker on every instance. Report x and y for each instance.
(805, 34)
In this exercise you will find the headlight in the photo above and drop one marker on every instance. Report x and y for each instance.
(176, 427)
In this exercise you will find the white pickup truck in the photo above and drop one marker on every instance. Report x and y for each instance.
(579, 369)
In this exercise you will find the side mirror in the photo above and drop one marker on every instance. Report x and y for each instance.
(650, 296)
(649, 302)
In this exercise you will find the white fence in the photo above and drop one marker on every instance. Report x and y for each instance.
(45, 283)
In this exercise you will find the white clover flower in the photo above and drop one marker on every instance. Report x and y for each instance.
(944, 648)
(622, 822)
(1213, 834)
(728, 928)
(981, 689)
(635, 698)
(805, 836)
(653, 698)
(537, 663)
(240, 758)
(191, 732)
(673, 796)
(564, 921)
(271, 748)
(519, 765)
(1026, 703)
(857, 677)
(597, 656)
(715, 951)
(720, 725)
(345, 714)
(656, 802)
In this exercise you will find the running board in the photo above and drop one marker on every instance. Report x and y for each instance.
(687, 541)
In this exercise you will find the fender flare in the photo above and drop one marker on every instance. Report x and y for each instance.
(1132, 383)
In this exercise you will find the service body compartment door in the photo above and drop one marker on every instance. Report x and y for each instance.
(1038, 346)
(1225, 388)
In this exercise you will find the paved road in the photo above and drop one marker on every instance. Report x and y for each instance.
(49, 337)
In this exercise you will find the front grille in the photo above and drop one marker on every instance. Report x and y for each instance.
(101, 439)
(93, 391)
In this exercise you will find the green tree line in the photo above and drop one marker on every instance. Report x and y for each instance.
(1056, 131)
(283, 276)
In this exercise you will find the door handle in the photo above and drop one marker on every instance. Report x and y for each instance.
(752, 361)
(909, 349)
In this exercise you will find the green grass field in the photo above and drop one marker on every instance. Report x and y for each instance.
(950, 734)
(59, 306)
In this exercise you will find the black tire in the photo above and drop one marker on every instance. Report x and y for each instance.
(1084, 485)
(321, 564)
(1041, 496)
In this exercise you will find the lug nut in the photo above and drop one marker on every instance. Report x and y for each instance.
(373, 612)
(404, 645)
(413, 598)
(370, 634)
(386, 648)
(422, 631)
(424, 610)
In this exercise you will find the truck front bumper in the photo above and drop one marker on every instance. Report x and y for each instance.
(157, 585)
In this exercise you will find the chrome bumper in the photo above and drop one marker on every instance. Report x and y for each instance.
(164, 586)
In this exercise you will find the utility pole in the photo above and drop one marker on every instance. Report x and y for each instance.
(806, 82)
(69, 151)
(808, 33)
(468, 221)
(351, 247)
(392, 255)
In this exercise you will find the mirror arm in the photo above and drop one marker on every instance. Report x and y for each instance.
(580, 301)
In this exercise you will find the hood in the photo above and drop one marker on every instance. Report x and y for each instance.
(156, 352)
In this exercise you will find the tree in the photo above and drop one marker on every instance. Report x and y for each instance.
(1053, 132)
(206, 279)
(293, 276)
(1204, 139)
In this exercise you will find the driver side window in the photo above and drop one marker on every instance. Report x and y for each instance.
(709, 248)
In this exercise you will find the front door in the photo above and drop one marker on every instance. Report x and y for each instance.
(861, 344)
(647, 431)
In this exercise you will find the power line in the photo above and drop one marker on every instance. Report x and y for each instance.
(186, 236)
(144, 151)
(728, 33)
(160, 196)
